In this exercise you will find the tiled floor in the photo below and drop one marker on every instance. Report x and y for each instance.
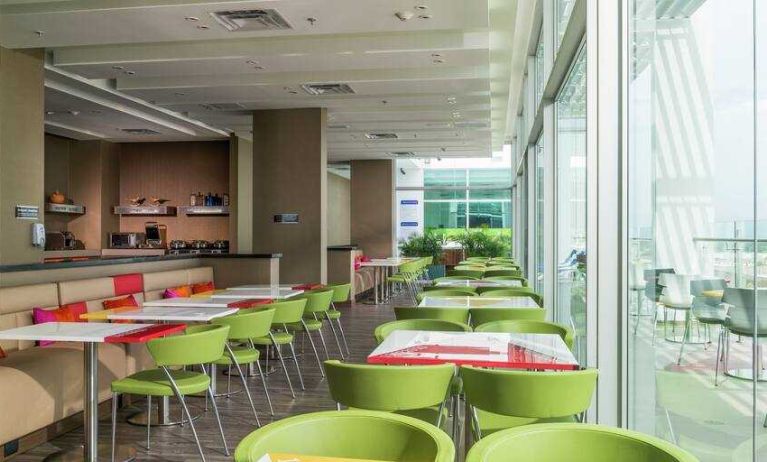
(177, 444)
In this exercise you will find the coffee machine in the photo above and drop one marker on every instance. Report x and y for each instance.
(156, 235)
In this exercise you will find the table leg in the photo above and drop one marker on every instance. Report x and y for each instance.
(90, 450)
(376, 276)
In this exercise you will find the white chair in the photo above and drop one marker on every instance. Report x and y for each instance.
(676, 297)
(638, 285)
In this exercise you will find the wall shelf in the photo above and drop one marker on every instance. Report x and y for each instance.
(205, 209)
(67, 209)
(144, 210)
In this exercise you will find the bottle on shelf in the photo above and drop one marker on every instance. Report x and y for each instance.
(226, 200)
(217, 200)
(200, 200)
(209, 199)
(193, 199)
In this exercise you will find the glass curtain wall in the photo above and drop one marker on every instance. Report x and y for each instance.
(697, 266)
(570, 113)
(540, 197)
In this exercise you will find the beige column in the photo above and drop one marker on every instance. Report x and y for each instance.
(289, 176)
(21, 151)
(372, 197)
(241, 195)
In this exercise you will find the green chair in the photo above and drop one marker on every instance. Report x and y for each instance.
(491, 272)
(367, 435)
(522, 289)
(482, 259)
(383, 330)
(575, 443)
(501, 399)
(507, 278)
(467, 290)
(456, 278)
(446, 314)
(513, 292)
(317, 304)
(203, 346)
(243, 326)
(529, 327)
(341, 294)
(407, 276)
(481, 316)
(470, 273)
(452, 292)
(287, 312)
(415, 391)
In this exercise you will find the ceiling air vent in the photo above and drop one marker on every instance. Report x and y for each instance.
(403, 154)
(381, 136)
(469, 124)
(223, 107)
(139, 131)
(251, 20)
(327, 89)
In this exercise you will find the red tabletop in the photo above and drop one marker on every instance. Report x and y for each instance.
(310, 286)
(483, 349)
(249, 303)
(146, 334)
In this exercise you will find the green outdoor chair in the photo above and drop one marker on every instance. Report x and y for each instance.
(204, 345)
(481, 316)
(353, 434)
(415, 391)
(341, 293)
(502, 399)
(513, 292)
(529, 327)
(446, 314)
(383, 330)
(243, 326)
(287, 312)
(470, 273)
(452, 292)
(575, 442)
(317, 305)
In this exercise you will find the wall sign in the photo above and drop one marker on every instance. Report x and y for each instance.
(286, 218)
(27, 212)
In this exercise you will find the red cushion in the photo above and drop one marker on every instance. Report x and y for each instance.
(2, 353)
(128, 284)
(124, 302)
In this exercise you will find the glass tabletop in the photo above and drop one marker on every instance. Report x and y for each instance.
(479, 302)
(484, 349)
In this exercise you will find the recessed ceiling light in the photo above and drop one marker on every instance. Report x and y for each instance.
(74, 113)
(178, 93)
(129, 72)
(50, 112)
(311, 21)
(39, 33)
(192, 18)
(203, 27)
(293, 92)
(438, 61)
(421, 7)
(118, 68)
(403, 15)
(424, 16)
(258, 67)
(436, 55)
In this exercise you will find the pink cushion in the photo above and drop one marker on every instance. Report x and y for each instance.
(66, 313)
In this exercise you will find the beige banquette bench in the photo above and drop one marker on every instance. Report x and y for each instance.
(341, 270)
(40, 386)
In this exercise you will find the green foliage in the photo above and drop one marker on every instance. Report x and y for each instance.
(452, 234)
(478, 243)
(426, 245)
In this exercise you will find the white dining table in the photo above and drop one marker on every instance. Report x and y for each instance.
(478, 302)
(257, 294)
(381, 267)
(193, 302)
(90, 334)
(480, 283)
(171, 314)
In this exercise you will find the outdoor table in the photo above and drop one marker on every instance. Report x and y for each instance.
(276, 293)
(481, 349)
(90, 335)
(522, 301)
(479, 283)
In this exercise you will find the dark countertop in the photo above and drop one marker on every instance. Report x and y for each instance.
(125, 260)
(343, 247)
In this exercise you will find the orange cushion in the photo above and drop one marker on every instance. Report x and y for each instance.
(205, 288)
(177, 292)
(124, 302)
(2, 353)
(66, 313)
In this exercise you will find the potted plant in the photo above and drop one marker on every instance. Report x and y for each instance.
(480, 243)
(425, 245)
